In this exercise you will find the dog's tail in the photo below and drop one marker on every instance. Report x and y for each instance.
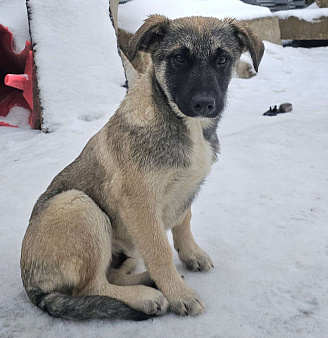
(83, 307)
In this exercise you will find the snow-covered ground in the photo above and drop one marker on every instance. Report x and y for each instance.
(262, 215)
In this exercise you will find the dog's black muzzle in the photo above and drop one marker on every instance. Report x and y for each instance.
(201, 96)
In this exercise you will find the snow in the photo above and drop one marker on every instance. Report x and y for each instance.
(132, 14)
(18, 116)
(77, 64)
(13, 15)
(262, 214)
(311, 13)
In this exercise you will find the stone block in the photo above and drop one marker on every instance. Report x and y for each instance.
(293, 28)
(266, 28)
(322, 3)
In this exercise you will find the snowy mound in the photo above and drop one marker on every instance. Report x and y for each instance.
(132, 14)
(79, 71)
(311, 13)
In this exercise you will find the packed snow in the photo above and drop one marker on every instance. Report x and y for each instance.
(311, 13)
(77, 64)
(132, 14)
(262, 215)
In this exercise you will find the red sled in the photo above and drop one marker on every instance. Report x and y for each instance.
(17, 74)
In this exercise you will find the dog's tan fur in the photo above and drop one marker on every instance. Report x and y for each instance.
(117, 198)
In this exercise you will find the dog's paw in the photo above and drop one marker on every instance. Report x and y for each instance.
(150, 301)
(190, 304)
(196, 261)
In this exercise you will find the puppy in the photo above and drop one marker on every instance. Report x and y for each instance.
(137, 178)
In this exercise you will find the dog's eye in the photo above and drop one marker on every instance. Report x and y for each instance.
(180, 58)
(222, 59)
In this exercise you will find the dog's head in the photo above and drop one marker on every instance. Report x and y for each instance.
(194, 58)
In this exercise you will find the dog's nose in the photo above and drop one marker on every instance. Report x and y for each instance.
(203, 105)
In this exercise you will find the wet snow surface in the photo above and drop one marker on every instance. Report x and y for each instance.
(262, 214)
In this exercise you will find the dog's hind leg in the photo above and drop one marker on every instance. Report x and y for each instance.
(65, 257)
(192, 256)
(123, 275)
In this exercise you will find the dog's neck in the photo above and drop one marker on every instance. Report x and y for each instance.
(164, 105)
(155, 109)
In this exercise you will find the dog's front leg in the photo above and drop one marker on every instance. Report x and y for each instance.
(146, 228)
(190, 253)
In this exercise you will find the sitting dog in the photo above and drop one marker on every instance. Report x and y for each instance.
(135, 179)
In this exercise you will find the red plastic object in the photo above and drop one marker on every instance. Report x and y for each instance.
(4, 124)
(16, 78)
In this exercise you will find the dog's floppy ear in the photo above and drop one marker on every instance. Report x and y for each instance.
(150, 33)
(248, 42)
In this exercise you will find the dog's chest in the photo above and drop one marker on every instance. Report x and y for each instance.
(185, 183)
